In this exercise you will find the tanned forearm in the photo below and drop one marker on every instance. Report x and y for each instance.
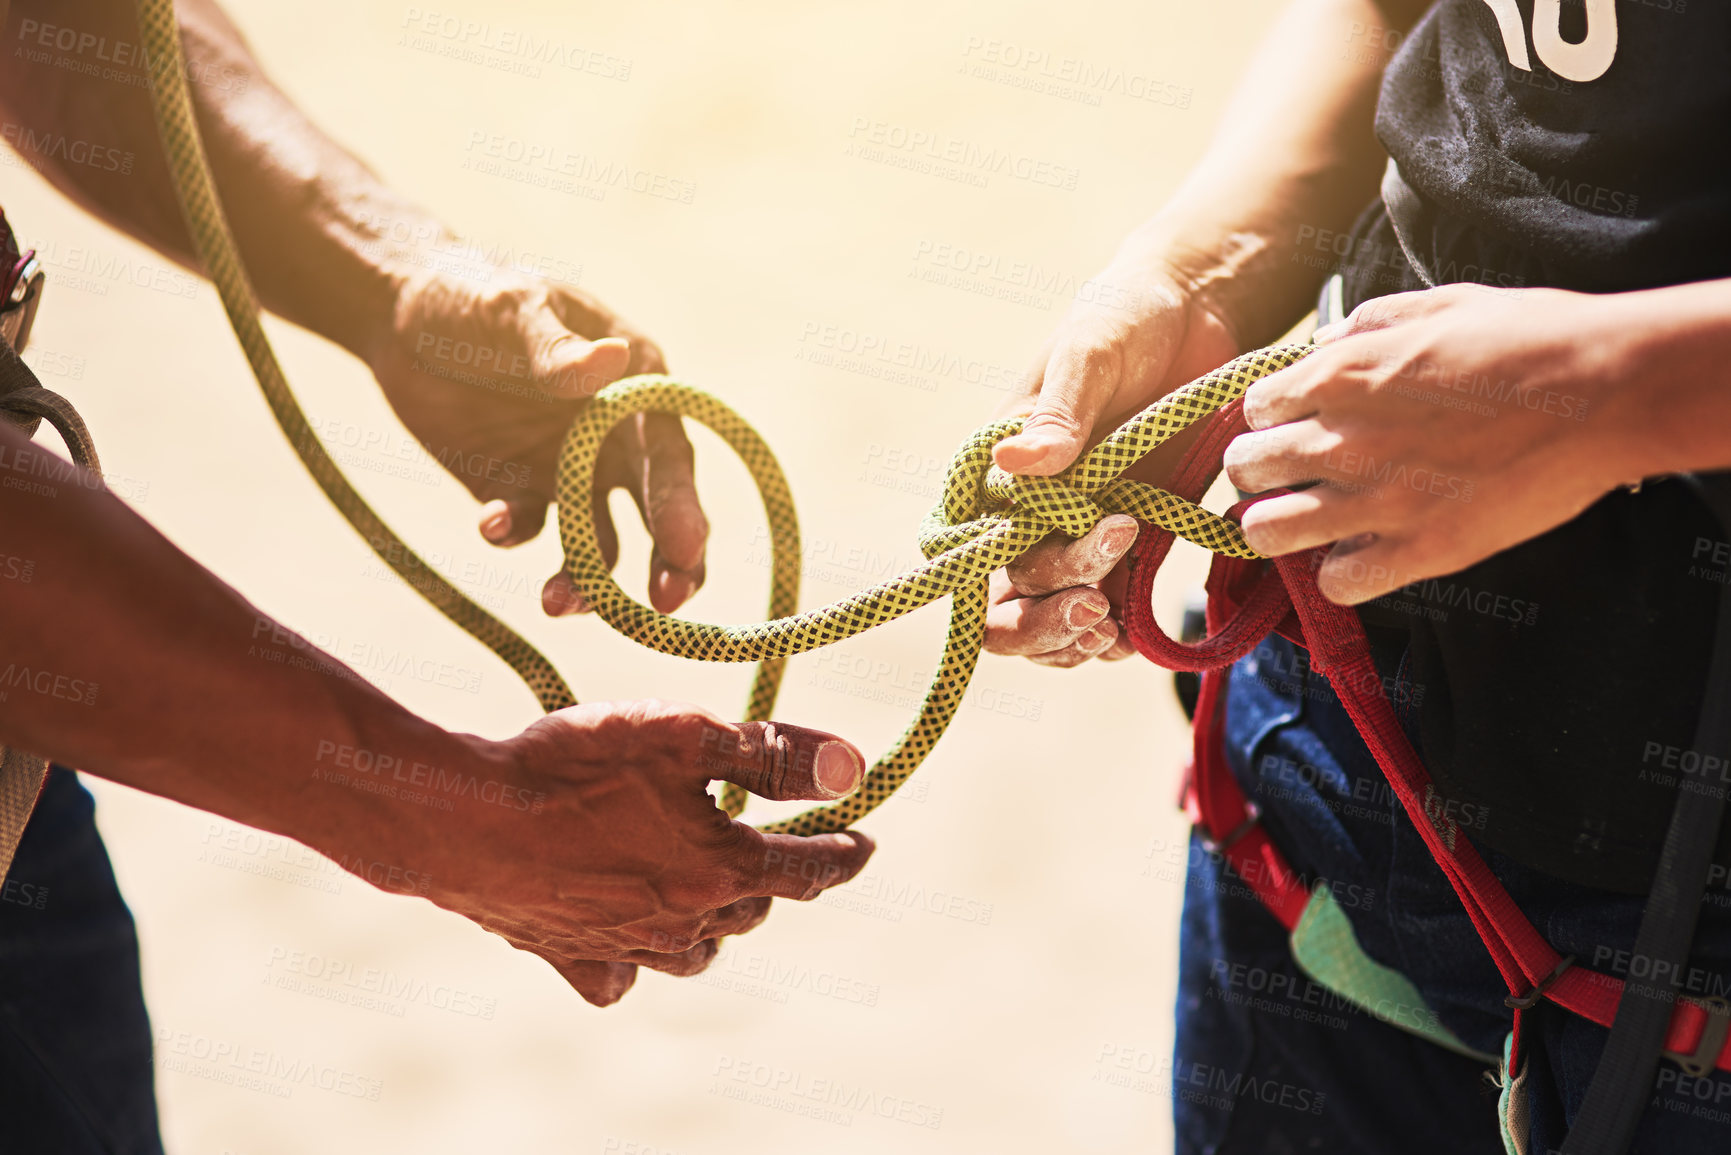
(125, 658)
(319, 233)
(1296, 151)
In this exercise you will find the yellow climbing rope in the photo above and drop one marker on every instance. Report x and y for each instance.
(985, 519)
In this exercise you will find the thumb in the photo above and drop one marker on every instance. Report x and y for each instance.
(508, 522)
(571, 367)
(781, 762)
(1079, 379)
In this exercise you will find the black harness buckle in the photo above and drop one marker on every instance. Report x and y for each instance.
(1706, 1057)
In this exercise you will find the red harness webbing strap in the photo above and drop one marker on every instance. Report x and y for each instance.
(1243, 607)
(1229, 824)
(1528, 963)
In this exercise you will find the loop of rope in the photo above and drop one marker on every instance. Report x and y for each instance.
(985, 520)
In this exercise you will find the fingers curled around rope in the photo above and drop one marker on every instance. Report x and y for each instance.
(1044, 606)
(1047, 629)
(1297, 391)
(649, 457)
(1059, 562)
(1283, 456)
(1294, 521)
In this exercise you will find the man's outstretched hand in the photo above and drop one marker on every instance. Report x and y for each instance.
(489, 375)
(611, 854)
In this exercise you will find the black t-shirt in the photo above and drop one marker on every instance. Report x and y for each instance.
(1558, 684)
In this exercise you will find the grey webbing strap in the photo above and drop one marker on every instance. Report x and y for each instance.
(25, 403)
(1623, 1081)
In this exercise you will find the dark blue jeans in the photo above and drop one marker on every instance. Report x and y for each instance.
(75, 1057)
(1268, 1061)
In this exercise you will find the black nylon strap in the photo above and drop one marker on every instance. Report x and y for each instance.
(1623, 1080)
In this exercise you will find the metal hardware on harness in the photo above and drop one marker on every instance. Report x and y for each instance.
(1531, 999)
(1252, 815)
(23, 295)
(25, 404)
(1705, 1059)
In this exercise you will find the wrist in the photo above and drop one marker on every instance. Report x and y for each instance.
(1663, 399)
(371, 266)
(1206, 276)
(393, 795)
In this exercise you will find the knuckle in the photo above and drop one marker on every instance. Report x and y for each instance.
(671, 942)
(669, 452)
(801, 876)
(1054, 416)
(1067, 658)
(1372, 314)
(697, 960)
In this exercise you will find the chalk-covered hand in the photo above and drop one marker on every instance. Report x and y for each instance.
(1141, 334)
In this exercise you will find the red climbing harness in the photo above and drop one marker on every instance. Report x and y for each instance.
(1247, 600)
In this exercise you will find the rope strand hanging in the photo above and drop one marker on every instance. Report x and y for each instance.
(985, 519)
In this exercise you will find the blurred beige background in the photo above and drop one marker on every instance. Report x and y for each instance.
(1006, 966)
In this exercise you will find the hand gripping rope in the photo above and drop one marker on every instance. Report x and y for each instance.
(985, 520)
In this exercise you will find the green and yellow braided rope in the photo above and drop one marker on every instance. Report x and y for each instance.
(985, 519)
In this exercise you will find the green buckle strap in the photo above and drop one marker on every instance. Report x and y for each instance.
(1326, 949)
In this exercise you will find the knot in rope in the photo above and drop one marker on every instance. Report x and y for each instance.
(985, 521)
